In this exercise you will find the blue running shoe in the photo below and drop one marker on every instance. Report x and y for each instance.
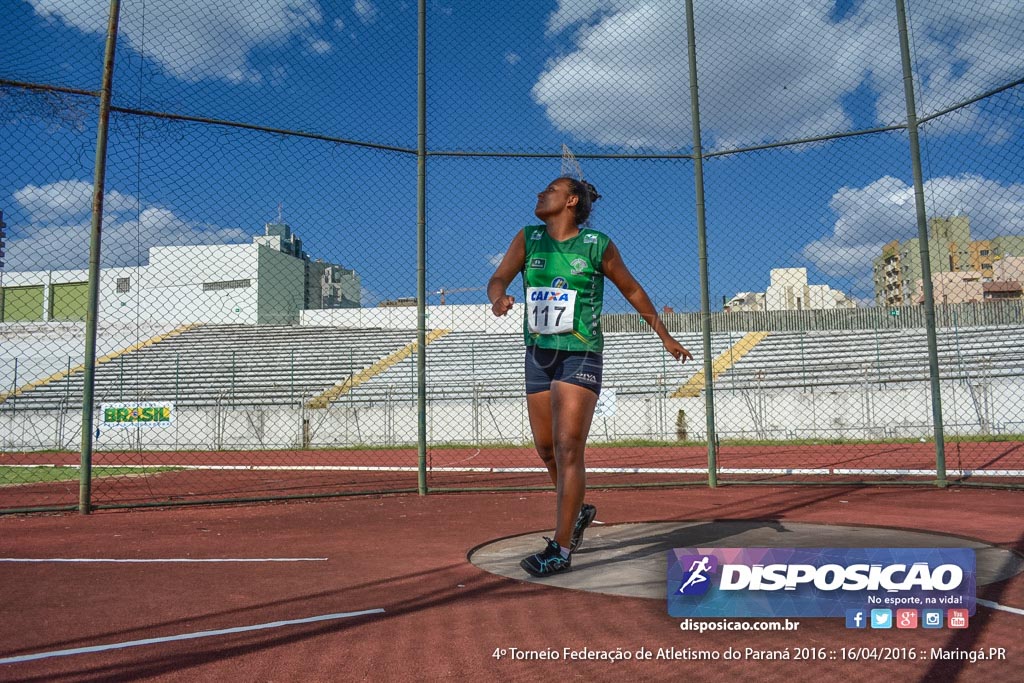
(548, 562)
(586, 516)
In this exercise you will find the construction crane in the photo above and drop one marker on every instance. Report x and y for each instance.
(446, 290)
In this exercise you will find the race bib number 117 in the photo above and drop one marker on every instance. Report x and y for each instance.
(550, 310)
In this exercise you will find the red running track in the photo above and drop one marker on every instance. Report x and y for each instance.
(250, 474)
(442, 617)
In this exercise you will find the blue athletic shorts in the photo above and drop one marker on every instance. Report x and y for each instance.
(544, 366)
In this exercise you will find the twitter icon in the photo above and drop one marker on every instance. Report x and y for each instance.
(881, 618)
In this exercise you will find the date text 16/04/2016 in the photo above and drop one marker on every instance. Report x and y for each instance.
(853, 654)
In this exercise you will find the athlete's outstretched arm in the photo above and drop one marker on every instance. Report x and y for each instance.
(615, 270)
(511, 265)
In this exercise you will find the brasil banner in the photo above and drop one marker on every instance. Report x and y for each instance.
(141, 414)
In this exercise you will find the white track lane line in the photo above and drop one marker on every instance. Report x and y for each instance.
(456, 462)
(822, 471)
(1003, 608)
(163, 559)
(187, 636)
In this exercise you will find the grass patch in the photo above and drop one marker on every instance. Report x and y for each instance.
(34, 474)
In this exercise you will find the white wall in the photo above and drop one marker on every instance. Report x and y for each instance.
(1009, 268)
(788, 290)
(477, 318)
(170, 289)
(32, 351)
(41, 277)
(868, 412)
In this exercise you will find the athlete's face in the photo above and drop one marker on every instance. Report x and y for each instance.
(554, 199)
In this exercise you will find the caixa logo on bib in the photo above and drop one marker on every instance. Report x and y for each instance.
(816, 582)
(542, 294)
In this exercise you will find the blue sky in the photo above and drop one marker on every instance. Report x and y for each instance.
(604, 76)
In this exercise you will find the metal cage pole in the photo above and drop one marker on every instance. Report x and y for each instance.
(92, 310)
(421, 249)
(922, 237)
(702, 249)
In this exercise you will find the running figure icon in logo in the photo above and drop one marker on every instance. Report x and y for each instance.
(697, 581)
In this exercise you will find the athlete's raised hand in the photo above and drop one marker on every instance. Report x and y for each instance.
(678, 351)
(502, 305)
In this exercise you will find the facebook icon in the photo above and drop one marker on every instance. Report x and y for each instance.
(856, 618)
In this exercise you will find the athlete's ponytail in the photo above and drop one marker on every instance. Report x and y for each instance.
(587, 194)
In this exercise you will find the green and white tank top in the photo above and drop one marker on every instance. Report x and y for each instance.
(564, 290)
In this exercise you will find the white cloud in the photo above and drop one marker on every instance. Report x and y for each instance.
(57, 236)
(90, 17)
(768, 71)
(277, 76)
(512, 58)
(998, 135)
(963, 49)
(571, 12)
(320, 47)
(494, 259)
(366, 11)
(194, 41)
(369, 298)
(871, 216)
(339, 24)
(67, 200)
(842, 260)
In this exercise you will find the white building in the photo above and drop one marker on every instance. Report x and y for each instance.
(746, 301)
(258, 283)
(962, 286)
(1009, 269)
(789, 291)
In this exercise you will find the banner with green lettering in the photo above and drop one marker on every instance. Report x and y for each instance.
(140, 414)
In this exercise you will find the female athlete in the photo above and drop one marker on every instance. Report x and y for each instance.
(564, 264)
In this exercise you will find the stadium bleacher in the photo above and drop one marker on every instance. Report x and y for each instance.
(228, 364)
(846, 357)
(464, 364)
(291, 365)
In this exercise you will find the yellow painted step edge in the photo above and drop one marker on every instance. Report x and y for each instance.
(726, 360)
(340, 389)
(103, 359)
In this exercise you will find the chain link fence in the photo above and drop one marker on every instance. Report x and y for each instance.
(295, 235)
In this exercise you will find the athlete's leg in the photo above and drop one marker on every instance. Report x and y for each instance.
(540, 366)
(538, 406)
(572, 410)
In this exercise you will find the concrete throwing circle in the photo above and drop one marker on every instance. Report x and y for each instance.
(630, 559)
